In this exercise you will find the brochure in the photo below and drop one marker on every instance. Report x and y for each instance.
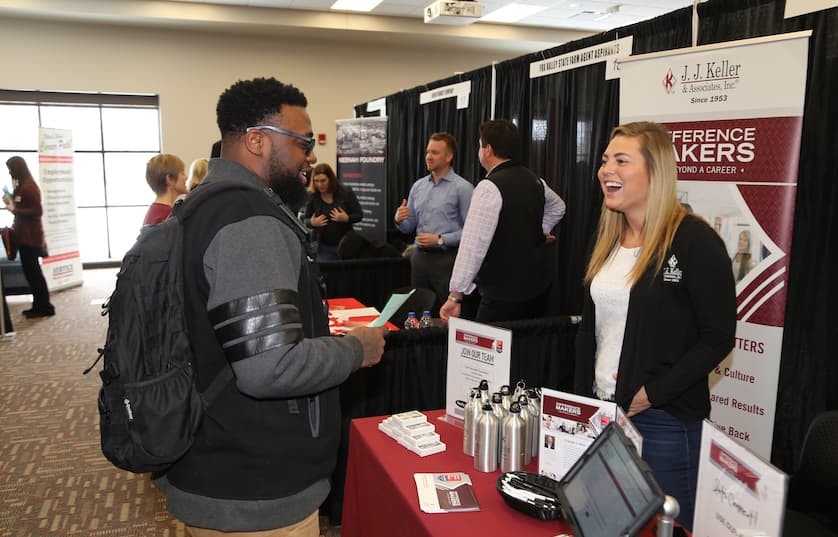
(446, 493)
(392, 305)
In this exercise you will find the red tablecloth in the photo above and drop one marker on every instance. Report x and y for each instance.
(336, 327)
(380, 494)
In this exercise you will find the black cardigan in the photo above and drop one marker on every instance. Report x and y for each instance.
(333, 232)
(681, 323)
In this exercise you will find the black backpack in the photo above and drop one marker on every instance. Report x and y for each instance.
(149, 406)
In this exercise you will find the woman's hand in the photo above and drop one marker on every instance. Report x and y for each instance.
(339, 215)
(639, 402)
(319, 220)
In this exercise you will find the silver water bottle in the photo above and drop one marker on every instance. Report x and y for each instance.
(472, 412)
(520, 387)
(514, 440)
(506, 395)
(497, 406)
(530, 423)
(484, 392)
(500, 413)
(486, 452)
(534, 407)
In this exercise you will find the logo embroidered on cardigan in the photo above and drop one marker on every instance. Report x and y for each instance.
(671, 273)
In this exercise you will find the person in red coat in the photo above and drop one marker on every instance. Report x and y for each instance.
(25, 204)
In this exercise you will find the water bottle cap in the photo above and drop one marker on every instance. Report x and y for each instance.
(505, 389)
(484, 384)
(496, 397)
(426, 313)
(515, 407)
(488, 407)
(411, 314)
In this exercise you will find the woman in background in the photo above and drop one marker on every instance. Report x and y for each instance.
(742, 258)
(660, 307)
(28, 229)
(166, 175)
(332, 209)
(197, 172)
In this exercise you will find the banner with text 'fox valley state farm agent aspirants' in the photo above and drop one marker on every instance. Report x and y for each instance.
(735, 111)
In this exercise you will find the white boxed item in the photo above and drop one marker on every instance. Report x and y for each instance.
(411, 417)
(420, 441)
(418, 429)
(430, 449)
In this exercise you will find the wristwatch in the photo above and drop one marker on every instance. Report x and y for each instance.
(454, 299)
(439, 241)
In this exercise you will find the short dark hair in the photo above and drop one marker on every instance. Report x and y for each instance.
(249, 102)
(324, 169)
(503, 136)
(449, 140)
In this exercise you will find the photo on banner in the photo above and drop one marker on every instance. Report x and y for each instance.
(361, 150)
(736, 128)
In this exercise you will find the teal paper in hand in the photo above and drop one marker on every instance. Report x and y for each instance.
(390, 308)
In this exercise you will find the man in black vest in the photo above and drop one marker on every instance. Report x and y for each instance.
(261, 460)
(503, 245)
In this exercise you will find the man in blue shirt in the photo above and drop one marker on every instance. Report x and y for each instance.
(435, 210)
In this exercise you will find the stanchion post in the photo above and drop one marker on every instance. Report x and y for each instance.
(669, 511)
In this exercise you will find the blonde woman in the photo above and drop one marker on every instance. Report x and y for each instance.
(197, 172)
(660, 307)
(166, 175)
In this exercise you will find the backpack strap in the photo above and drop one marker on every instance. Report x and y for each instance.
(222, 378)
(183, 209)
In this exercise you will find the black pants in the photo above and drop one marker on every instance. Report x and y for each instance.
(432, 270)
(9, 327)
(491, 310)
(37, 284)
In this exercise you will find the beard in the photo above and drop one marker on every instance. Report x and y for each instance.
(291, 190)
(286, 183)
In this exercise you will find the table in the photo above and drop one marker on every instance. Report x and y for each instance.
(380, 495)
(364, 317)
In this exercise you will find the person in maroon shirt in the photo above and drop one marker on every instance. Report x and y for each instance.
(166, 175)
(25, 204)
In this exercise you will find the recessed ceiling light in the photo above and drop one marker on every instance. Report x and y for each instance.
(356, 5)
(512, 13)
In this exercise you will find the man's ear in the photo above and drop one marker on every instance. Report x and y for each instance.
(254, 142)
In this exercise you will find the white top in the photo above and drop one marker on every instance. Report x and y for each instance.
(610, 291)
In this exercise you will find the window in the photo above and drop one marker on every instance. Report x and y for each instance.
(113, 138)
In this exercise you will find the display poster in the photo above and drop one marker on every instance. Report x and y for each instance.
(62, 268)
(738, 493)
(361, 146)
(569, 424)
(736, 127)
(475, 352)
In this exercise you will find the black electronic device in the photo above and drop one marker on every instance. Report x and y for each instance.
(610, 490)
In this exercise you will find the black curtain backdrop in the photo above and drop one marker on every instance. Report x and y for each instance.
(566, 119)
(410, 124)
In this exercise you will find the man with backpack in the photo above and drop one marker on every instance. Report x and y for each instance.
(261, 459)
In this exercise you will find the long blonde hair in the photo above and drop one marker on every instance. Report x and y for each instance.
(663, 212)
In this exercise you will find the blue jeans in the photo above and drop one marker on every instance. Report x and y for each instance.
(670, 448)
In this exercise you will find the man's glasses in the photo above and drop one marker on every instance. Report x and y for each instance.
(307, 139)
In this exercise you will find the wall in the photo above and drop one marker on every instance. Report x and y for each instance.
(188, 69)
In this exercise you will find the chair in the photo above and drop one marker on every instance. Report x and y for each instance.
(421, 300)
(814, 485)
